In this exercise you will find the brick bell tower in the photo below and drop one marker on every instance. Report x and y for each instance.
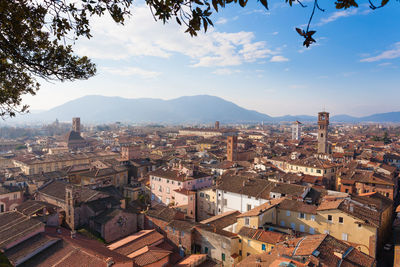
(72, 196)
(76, 124)
(231, 148)
(323, 123)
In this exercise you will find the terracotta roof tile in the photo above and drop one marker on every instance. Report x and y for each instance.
(269, 237)
(262, 208)
(149, 255)
(132, 243)
(15, 226)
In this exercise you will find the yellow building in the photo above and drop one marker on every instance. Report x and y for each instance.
(205, 145)
(345, 219)
(309, 166)
(259, 216)
(205, 203)
(357, 221)
(256, 241)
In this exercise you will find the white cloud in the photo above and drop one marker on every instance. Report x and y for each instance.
(132, 71)
(225, 71)
(142, 36)
(275, 33)
(221, 21)
(388, 54)
(337, 15)
(261, 11)
(364, 9)
(313, 45)
(385, 64)
(297, 86)
(279, 59)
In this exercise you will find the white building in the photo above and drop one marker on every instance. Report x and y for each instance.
(243, 194)
(296, 130)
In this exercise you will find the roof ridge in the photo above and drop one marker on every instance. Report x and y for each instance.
(297, 245)
(265, 188)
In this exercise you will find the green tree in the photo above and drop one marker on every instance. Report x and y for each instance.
(386, 138)
(37, 37)
(20, 147)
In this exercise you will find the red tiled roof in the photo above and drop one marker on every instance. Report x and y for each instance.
(149, 255)
(269, 237)
(262, 208)
(132, 243)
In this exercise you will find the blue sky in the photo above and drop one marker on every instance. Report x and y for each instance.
(252, 57)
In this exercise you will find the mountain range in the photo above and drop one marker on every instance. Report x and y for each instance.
(182, 110)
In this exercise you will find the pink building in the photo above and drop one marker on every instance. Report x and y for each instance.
(185, 201)
(10, 198)
(167, 186)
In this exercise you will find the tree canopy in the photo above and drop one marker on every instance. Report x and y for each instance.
(37, 37)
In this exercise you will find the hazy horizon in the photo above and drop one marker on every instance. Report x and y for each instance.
(33, 111)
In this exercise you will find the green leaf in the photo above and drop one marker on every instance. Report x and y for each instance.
(264, 3)
(310, 33)
(215, 4)
(300, 31)
(242, 3)
(205, 23)
(384, 2)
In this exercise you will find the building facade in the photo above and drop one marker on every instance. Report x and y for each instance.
(231, 148)
(296, 130)
(323, 123)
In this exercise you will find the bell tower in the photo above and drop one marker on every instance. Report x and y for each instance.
(76, 124)
(72, 196)
(231, 148)
(323, 123)
(296, 130)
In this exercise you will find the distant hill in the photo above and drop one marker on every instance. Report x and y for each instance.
(187, 109)
(383, 117)
(344, 118)
(182, 110)
(290, 118)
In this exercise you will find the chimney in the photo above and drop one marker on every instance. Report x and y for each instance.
(123, 203)
(338, 254)
(110, 262)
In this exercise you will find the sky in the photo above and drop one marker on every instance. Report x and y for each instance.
(252, 57)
